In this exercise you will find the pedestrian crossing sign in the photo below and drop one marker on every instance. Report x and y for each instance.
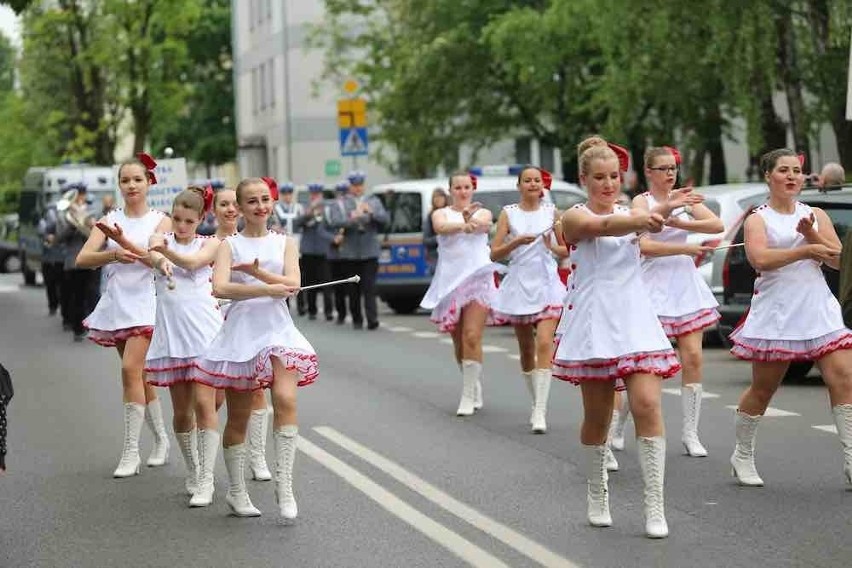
(353, 142)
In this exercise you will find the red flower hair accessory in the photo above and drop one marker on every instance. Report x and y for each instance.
(801, 157)
(622, 154)
(674, 151)
(473, 181)
(150, 165)
(546, 180)
(273, 187)
(207, 196)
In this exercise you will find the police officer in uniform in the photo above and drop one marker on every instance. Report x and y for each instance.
(360, 219)
(337, 265)
(316, 241)
(287, 210)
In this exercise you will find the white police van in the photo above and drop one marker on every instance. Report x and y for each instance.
(404, 274)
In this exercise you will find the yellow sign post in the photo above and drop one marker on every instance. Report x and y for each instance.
(352, 113)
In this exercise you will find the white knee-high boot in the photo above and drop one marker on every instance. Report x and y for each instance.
(188, 442)
(597, 490)
(208, 447)
(470, 374)
(541, 380)
(134, 415)
(237, 496)
(652, 459)
(285, 453)
(742, 460)
(478, 403)
(258, 428)
(529, 379)
(618, 424)
(154, 418)
(843, 420)
(691, 399)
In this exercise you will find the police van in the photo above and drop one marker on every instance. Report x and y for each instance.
(404, 274)
(42, 189)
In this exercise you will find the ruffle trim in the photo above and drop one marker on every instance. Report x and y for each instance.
(167, 371)
(479, 289)
(751, 349)
(256, 373)
(661, 363)
(548, 313)
(690, 323)
(111, 338)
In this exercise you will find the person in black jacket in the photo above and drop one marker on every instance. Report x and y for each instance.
(6, 393)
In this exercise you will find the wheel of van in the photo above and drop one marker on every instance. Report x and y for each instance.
(29, 276)
(11, 263)
(798, 370)
(404, 304)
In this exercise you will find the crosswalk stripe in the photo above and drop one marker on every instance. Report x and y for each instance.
(676, 392)
(830, 428)
(426, 334)
(770, 411)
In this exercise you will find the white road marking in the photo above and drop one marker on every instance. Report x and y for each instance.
(446, 340)
(399, 329)
(426, 334)
(704, 394)
(830, 428)
(508, 536)
(450, 540)
(770, 411)
(9, 289)
(514, 356)
(493, 349)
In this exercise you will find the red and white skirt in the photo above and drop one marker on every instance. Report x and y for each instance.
(689, 323)
(753, 349)
(111, 338)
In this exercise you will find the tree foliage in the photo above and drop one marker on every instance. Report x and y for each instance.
(444, 73)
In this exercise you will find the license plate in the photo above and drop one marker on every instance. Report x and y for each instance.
(385, 256)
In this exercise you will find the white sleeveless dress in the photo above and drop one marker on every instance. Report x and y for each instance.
(464, 274)
(188, 318)
(683, 301)
(255, 330)
(609, 329)
(531, 290)
(127, 306)
(793, 315)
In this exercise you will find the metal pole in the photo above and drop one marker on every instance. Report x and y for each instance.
(288, 129)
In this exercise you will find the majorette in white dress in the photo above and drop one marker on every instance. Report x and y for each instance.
(127, 306)
(793, 315)
(257, 329)
(531, 291)
(464, 274)
(609, 329)
(683, 301)
(188, 318)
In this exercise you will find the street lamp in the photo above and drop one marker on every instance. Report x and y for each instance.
(168, 152)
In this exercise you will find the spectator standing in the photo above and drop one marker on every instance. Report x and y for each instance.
(315, 244)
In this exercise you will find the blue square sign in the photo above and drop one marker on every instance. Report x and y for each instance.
(353, 142)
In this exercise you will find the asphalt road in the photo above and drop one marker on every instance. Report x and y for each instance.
(388, 476)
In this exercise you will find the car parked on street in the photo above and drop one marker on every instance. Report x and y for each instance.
(738, 276)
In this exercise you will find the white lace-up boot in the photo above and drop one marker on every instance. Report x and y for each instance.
(618, 424)
(652, 459)
(529, 379)
(470, 374)
(258, 428)
(208, 447)
(154, 418)
(541, 380)
(237, 496)
(597, 492)
(742, 460)
(843, 420)
(134, 415)
(609, 459)
(691, 399)
(478, 403)
(285, 453)
(188, 442)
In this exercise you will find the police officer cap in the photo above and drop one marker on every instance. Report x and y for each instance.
(315, 187)
(286, 187)
(342, 186)
(356, 177)
(78, 185)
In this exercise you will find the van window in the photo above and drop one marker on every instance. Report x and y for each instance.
(405, 209)
(752, 201)
(28, 207)
(565, 200)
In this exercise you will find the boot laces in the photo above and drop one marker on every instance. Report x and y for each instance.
(654, 484)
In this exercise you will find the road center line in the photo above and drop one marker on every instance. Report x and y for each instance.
(770, 411)
(426, 334)
(508, 536)
(493, 349)
(450, 540)
(830, 428)
(704, 394)
(399, 329)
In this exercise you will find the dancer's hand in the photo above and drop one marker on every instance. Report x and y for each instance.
(158, 243)
(282, 290)
(524, 239)
(806, 225)
(823, 253)
(115, 233)
(469, 211)
(684, 196)
(248, 267)
(124, 256)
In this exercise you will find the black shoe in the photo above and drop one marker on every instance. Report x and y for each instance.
(79, 337)
(67, 326)
(312, 317)
(51, 312)
(329, 317)
(358, 325)
(341, 321)
(373, 325)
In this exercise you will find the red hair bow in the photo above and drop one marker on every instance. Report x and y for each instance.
(150, 164)
(473, 181)
(622, 154)
(801, 157)
(273, 187)
(207, 196)
(546, 179)
(674, 152)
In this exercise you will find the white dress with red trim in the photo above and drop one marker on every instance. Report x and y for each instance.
(257, 329)
(793, 315)
(609, 329)
(188, 318)
(127, 306)
(464, 274)
(682, 299)
(531, 290)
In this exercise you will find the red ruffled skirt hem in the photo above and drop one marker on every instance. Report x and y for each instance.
(110, 338)
(549, 313)
(169, 371)
(690, 323)
(256, 373)
(664, 364)
(751, 349)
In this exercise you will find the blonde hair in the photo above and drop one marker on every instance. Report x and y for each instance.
(589, 142)
(654, 152)
(191, 198)
(592, 153)
(244, 184)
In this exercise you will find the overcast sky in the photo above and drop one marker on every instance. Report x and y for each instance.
(9, 24)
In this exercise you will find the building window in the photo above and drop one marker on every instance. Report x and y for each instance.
(272, 82)
(255, 92)
(263, 86)
(523, 150)
(546, 152)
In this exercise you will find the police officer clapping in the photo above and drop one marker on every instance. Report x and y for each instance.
(315, 244)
